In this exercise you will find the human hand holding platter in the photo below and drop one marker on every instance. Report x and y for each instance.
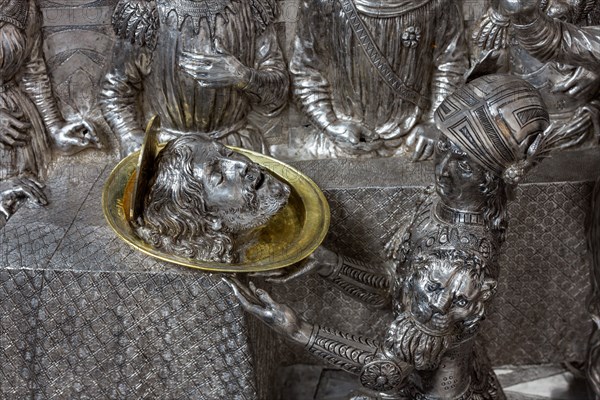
(279, 317)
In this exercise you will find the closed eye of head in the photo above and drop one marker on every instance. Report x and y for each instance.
(215, 173)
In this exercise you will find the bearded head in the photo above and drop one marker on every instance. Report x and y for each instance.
(443, 300)
(204, 197)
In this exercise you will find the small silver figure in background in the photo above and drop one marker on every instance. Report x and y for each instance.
(569, 89)
(201, 66)
(204, 199)
(445, 263)
(370, 74)
(30, 123)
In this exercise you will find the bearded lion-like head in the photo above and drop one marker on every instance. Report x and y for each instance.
(444, 298)
(203, 197)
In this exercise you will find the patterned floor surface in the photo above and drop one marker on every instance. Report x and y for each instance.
(304, 382)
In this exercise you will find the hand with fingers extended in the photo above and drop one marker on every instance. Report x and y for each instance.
(217, 69)
(279, 317)
(15, 190)
(423, 138)
(13, 130)
(575, 131)
(323, 261)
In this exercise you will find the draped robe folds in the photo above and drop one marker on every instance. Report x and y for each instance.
(334, 79)
(24, 89)
(182, 104)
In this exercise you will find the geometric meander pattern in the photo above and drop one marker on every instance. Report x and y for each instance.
(69, 334)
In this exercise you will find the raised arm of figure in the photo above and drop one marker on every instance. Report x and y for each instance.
(550, 39)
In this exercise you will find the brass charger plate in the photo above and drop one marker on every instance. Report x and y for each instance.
(289, 237)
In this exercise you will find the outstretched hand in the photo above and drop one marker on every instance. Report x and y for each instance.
(279, 317)
(581, 83)
(354, 137)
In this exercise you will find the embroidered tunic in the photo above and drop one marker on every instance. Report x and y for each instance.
(423, 42)
(183, 105)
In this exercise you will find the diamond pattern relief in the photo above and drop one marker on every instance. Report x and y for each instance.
(19, 304)
(540, 311)
(95, 318)
(363, 219)
(90, 244)
(538, 315)
(32, 237)
(120, 336)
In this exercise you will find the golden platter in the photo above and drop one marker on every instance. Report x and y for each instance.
(289, 237)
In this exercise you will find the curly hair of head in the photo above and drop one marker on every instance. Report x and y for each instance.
(495, 214)
(175, 218)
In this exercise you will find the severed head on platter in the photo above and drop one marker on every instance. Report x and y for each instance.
(198, 203)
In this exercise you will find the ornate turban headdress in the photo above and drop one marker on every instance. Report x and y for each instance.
(499, 121)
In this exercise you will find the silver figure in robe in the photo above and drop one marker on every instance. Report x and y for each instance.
(200, 66)
(570, 90)
(370, 74)
(30, 122)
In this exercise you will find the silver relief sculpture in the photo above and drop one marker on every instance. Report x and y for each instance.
(369, 74)
(570, 90)
(445, 264)
(201, 66)
(550, 39)
(205, 200)
(592, 365)
(30, 122)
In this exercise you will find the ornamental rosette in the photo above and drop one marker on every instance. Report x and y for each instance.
(411, 37)
(381, 376)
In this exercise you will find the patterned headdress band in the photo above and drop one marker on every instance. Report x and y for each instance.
(495, 119)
